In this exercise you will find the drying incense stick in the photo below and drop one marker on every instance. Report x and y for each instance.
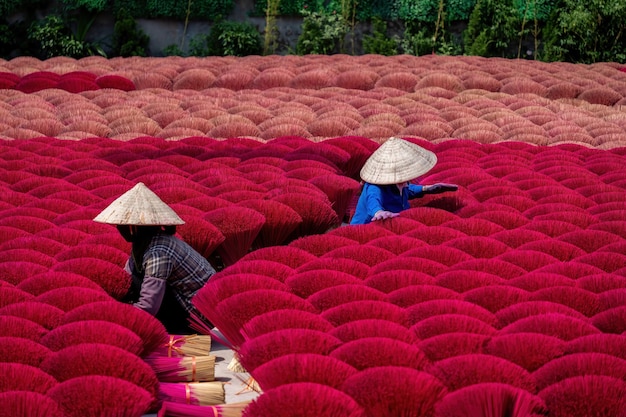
(171, 409)
(193, 393)
(183, 369)
(190, 345)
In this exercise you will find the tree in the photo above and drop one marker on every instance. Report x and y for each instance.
(587, 32)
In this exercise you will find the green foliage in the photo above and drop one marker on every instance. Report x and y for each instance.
(198, 45)
(228, 38)
(6, 41)
(382, 9)
(323, 32)
(421, 11)
(14, 40)
(173, 50)
(285, 9)
(428, 10)
(365, 9)
(9, 7)
(136, 8)
(271, 28)
(128, 40)
(92, 6)
(378, 42)
(587, 32)
(177, 9)
(418, 43)
(493, 28)
(54, 38)
(534, 9)
(457, 10)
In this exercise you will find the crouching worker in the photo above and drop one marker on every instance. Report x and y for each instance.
(166, 272)
(387, 176)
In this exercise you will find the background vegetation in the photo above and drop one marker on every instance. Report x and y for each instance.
(546, 30)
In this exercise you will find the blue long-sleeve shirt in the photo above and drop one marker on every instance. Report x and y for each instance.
(383, 197)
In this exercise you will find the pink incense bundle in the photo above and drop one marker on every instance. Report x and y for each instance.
(369, 352)
(305, 284)
(464, 370)
(20, 327)
(193, 393)
(45, 315)
(100, 396)
(274, 269)
(172, 409)
(303, 367)
(68, 298)
(21, 350)
(149, 329)
(28, 404)
(11, 295)
(286, 255)
(447, 345)
(93, 331)
(490, 400)
(185, 345)
(304, 399)
(586, 395)
(284, 319)
(358, 329)
(105, 360)
(255, 352)
(21, 377)
(230, 314)
(408, 393)
(183, 369)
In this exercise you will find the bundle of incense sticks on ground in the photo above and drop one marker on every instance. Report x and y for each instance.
(193, 393)
(183, 369)
(171, 409)
(235, 366)
(189, 345)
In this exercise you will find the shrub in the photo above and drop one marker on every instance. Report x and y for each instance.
(174, 9)
(323, 32)
(233, 38)
(128, 40)
(54, 38)
(585, 32)
(378, 42)
(492, 27)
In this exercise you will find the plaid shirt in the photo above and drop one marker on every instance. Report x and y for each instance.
(184, 269)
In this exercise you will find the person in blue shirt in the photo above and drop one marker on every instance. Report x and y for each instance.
(387, 176)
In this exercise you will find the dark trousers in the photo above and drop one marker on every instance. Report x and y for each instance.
(173, 316)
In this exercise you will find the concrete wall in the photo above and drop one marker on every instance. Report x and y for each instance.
(164, 33)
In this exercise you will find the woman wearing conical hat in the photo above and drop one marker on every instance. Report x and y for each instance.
(387, 176)
(166, 271)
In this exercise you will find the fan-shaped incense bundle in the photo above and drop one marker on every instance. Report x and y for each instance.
(28, 404)
(172, 409)
(193, 393)
(97, 395)
(151, 331)
(183, 369)
(492, 399)
(304, 399)
(21, 350)
(186, 345)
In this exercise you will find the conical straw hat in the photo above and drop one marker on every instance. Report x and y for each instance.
(139, 206)
(397, 161)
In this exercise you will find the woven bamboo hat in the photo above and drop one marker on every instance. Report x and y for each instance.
(139, 206)
(397, 161)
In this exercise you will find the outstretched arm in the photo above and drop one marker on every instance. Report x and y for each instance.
(438, 188)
